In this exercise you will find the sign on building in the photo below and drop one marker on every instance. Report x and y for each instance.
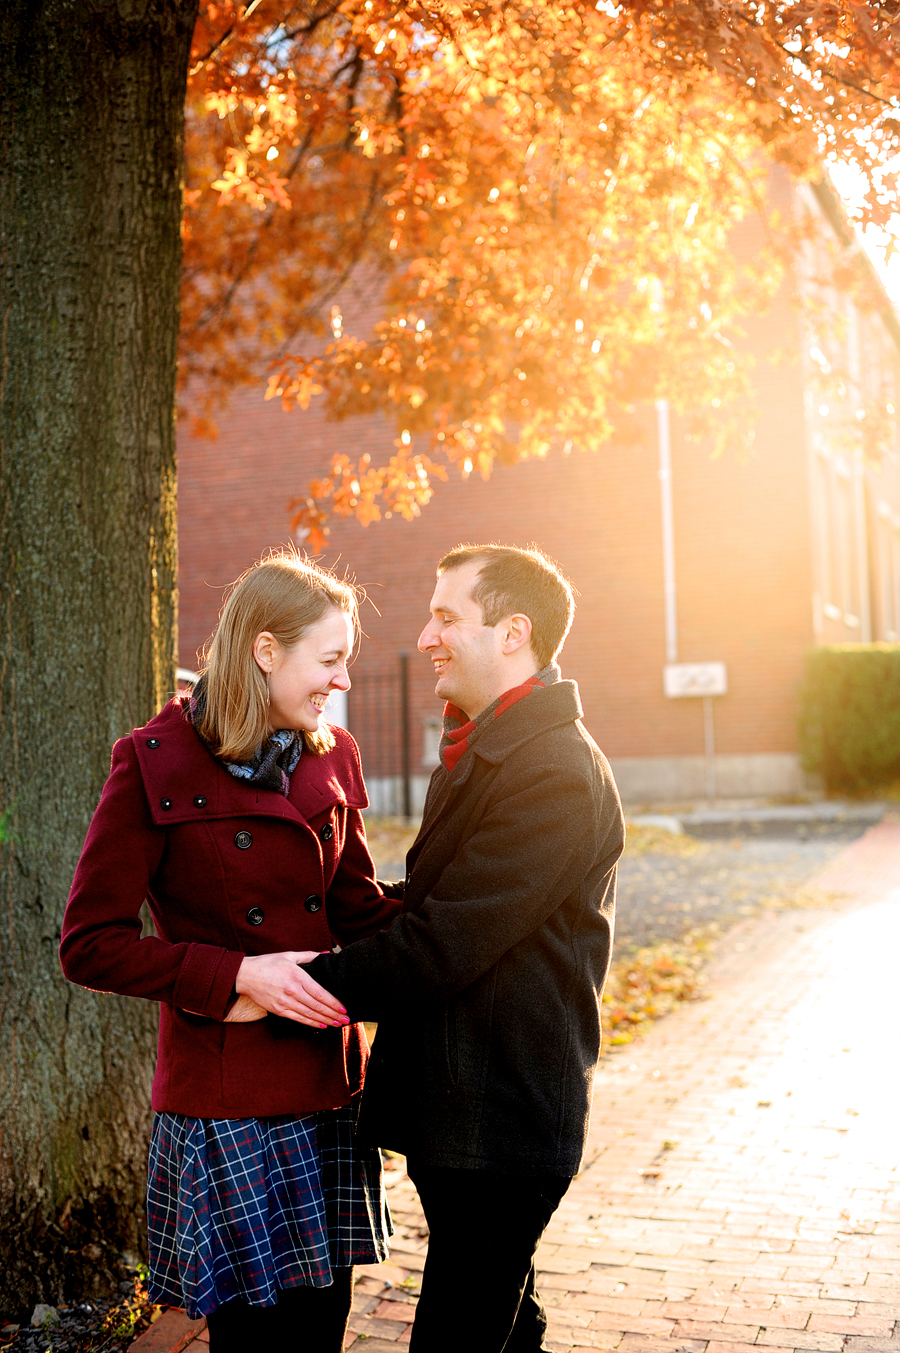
(682, 679)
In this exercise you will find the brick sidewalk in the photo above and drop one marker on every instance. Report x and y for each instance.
(741, 1186)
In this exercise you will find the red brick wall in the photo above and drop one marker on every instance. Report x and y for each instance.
(741, 542)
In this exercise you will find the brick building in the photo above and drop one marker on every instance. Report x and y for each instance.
(678, 559)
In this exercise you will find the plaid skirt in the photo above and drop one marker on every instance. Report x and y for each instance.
(242, 1207)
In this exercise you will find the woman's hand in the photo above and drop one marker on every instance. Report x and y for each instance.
(275, 983)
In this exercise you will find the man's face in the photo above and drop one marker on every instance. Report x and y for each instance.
(467, 654)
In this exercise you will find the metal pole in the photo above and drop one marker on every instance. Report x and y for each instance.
(405, 738)
(709, 746)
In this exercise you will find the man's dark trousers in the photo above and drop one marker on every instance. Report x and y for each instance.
(484, 1230)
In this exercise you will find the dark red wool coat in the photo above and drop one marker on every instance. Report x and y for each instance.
(228, 869)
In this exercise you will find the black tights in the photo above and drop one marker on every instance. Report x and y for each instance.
(306, 1320)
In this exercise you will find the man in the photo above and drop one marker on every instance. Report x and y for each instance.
(487, 987)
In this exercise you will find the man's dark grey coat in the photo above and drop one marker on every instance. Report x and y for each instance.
(487, 987)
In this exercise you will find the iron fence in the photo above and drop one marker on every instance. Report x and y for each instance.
(378, 716)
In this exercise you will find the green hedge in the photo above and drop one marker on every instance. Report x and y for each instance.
(850, 716)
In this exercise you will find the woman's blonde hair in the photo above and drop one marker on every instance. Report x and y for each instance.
(285, 595)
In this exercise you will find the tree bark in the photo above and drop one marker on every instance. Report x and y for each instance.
(91, 128)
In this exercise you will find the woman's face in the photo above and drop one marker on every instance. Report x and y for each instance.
(302, 677)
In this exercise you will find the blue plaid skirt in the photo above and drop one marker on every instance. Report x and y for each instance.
(242, 1207)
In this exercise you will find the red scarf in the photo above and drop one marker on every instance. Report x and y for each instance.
(458, 732)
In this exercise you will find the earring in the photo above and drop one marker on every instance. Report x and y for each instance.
(268, 692)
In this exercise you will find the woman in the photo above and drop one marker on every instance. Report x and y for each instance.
(236, 814)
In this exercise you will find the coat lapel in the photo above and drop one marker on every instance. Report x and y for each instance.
(314, 787)
(442, 789)
(544, 708)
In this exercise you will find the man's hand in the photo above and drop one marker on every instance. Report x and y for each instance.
(245, 1011)
(275, 983)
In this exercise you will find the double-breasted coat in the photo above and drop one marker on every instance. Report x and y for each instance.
(228, 869)
(487, 987)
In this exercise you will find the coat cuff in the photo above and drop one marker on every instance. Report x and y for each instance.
(205, 984)
(326, 970)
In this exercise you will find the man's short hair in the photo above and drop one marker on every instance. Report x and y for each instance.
(520, 582)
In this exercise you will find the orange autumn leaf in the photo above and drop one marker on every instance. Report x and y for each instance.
(543, 198)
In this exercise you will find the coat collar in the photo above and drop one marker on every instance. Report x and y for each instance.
(177, 769)
(546, 707)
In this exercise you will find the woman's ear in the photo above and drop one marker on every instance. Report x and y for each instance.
(265, 650)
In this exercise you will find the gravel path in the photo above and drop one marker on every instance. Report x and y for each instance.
(669, 884)
(660, 895)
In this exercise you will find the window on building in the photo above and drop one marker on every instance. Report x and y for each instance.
(835, 528)
(888, 580)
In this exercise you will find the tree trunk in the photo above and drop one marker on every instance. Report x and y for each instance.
(91, 129)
